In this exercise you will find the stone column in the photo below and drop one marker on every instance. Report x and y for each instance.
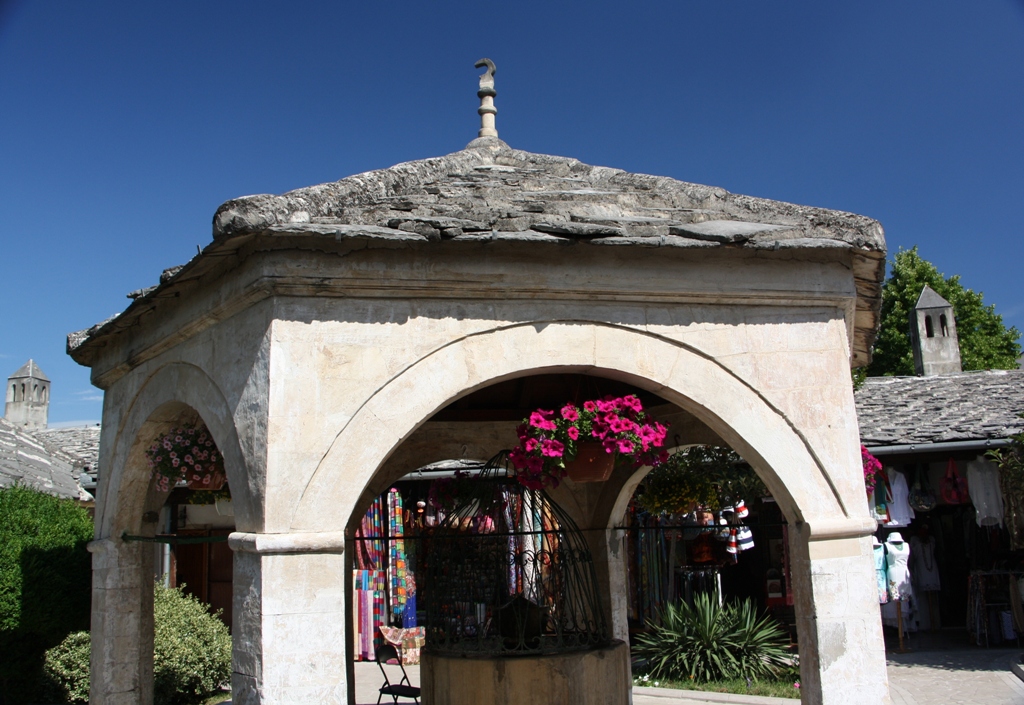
(289, 619)
(122, 623)
(842, 653)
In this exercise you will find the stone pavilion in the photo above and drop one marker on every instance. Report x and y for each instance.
(322, 333)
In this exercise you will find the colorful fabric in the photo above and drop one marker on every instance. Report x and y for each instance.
(397, 566)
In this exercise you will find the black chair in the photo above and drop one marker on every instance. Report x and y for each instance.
(402, 689)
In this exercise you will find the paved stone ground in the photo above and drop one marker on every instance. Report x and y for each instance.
(969, 677)
(960, 677)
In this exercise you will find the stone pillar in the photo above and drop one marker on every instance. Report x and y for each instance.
(122, 623)
(289, 619)
(842, 653)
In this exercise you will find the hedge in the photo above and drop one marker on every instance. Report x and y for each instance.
(45, 584)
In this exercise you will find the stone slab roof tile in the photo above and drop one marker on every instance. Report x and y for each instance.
(26, 460)
(79, 445)
(942, 408)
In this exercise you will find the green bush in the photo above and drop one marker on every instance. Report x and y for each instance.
(45, 581)
(712, 642)
(191, 649)
(67, 670)
(191, 654)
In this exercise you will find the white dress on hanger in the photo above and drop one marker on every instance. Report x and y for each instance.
(983, 485)
(900, 512)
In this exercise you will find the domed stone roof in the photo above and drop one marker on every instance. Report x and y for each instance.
(490, 192)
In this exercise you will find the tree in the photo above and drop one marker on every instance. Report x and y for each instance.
(985, 342)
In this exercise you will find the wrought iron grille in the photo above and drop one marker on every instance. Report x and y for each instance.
(509, 573)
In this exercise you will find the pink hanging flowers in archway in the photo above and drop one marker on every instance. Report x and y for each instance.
(548, 439)
(186, 453)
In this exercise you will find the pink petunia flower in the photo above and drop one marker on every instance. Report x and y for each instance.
(570, 412)
(542, 419)
(552, 448)
(572, 432)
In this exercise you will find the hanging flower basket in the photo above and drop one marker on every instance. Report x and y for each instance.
(591, 464)
(186, 453)
(617, 426)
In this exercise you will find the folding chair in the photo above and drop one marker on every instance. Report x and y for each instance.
(402, 689)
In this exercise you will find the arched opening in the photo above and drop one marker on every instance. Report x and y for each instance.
(389, 436)
(943, 326)
(929, 328)
(135, 511)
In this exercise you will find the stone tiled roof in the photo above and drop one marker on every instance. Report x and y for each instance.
(941, 408)
(26, 460)
(490, 192)
(30, 369)
(80, 445)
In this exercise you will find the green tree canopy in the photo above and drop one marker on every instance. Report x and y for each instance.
(985, 342)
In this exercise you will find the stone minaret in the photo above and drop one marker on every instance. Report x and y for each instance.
(28, 397)
(933, 335)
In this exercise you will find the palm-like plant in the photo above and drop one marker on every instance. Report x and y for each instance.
(710, 642)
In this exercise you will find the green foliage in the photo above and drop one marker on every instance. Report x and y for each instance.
(704, 476)
(191, 654)
(985, 342)
(45, 581)
(191, 649)
(709, 642)
(66, 670)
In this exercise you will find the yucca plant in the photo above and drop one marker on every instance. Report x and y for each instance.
(711, 642)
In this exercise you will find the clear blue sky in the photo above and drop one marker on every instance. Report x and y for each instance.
(123, 125)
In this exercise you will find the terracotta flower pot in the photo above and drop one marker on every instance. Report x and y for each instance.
(591, 464)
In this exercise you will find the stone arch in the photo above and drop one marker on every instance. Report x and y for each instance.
(693, 380)
(167, 394)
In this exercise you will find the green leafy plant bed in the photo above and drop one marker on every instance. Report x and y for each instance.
(781, 688)
(709, 643)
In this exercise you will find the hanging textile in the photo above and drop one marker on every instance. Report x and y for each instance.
(983, 484)
(397, 567)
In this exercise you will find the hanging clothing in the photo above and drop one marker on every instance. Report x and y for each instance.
(881, 574)
(897, 556)
(923, 566)
(900, 512)
(983, 484)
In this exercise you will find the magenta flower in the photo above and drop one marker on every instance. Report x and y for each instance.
(531, 444)
(542, 419)
(570, 412)
(624, 446)
(552, 448)
(573, 433)
(589, 406)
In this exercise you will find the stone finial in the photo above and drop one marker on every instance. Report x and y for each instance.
(487, 110)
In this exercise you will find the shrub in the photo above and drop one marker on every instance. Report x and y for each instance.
(711, 642)
(191, 649)
(66, 670)
(45, 580)
(191, 654)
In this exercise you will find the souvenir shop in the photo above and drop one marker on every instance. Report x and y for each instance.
(730, 540)
(730, 553)
(949, 558)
